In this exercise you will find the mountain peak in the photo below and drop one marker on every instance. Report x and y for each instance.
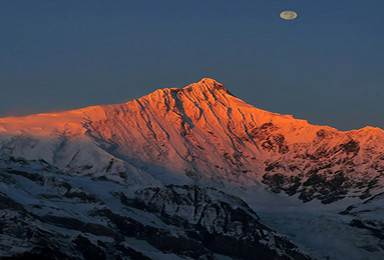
(208, 81)
(207, 84)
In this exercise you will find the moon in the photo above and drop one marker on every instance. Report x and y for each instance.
(288, 15)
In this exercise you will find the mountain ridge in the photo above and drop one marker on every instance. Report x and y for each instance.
(204, 84)
(201, 134)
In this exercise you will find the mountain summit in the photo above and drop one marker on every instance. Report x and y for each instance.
(201, 134)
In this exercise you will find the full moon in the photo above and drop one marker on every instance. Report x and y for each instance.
(288, 15)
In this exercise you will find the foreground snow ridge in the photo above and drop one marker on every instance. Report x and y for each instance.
(193, 158)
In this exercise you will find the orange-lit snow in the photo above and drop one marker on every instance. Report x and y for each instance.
(199, 129)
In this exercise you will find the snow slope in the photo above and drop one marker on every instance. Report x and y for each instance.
(47, 214)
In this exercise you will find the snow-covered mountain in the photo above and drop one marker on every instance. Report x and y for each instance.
(201, 134)
(157, 153)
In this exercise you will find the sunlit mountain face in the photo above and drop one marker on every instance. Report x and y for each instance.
(188, 172)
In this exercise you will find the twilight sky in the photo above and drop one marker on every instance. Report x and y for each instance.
(327, 66)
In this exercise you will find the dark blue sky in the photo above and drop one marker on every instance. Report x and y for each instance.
(327, 66)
